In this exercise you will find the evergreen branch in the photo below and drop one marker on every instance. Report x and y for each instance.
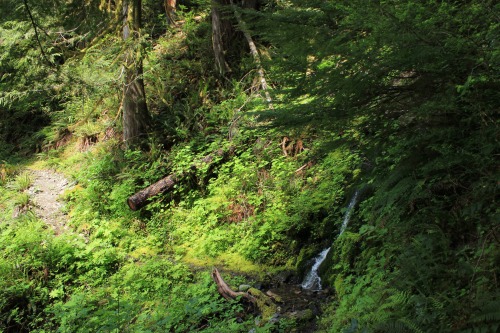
(33, 23)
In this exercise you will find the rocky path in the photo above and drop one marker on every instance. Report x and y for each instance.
(45, 190)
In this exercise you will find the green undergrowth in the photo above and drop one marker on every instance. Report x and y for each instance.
(150, 270)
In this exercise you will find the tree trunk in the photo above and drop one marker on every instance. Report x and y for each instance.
(136, 117)
(170, 11)
(217, 38)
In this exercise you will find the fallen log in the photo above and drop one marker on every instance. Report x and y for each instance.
(140, 199)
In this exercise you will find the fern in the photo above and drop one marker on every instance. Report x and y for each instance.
(486, 319)
(22, 182)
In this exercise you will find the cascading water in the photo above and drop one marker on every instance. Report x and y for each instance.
(348, 212)
(312, 281)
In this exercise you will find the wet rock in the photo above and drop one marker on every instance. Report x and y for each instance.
(275, 318)
(287, 276)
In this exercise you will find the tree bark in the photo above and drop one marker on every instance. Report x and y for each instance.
(139, 200)
(170, 11)
(136, 117)
(217, 38)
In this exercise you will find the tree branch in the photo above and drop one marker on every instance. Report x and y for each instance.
(33, 23)
(255, 54)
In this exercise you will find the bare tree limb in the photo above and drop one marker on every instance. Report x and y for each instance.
(255, 54)
(261, 302)
(226, 291)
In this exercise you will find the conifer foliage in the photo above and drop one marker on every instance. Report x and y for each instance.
(419, 79)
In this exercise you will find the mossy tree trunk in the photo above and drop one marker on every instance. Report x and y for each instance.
(136, 117)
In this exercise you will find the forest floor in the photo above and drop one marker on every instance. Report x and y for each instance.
(45, 190)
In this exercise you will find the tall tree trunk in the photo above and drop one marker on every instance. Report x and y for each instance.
(136, 117)
(170, 11)
(218, 28)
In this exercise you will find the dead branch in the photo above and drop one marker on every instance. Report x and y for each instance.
(255, 54)
(35, 26)
(226, 291)
(305, 166)
(261, 302)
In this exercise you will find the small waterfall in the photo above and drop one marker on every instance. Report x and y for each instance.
(312, 281)
(348, 212)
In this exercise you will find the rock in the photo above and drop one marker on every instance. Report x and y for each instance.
(244, 287)
(277, 298)
(286, 276)
(275, 318)
(265, 305)
(302, 315)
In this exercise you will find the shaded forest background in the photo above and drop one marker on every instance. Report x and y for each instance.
(396, 99)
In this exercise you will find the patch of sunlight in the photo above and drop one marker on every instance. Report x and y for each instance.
(143, 252)
(229, 261)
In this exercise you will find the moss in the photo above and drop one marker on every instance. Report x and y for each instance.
(265, 305)
(302, 316)
(230, 261)
(339, 285)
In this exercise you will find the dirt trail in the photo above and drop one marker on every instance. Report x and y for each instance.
(45, 190)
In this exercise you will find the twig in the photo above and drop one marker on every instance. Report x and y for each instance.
(305, 166)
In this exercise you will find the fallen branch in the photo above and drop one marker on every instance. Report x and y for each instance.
(226, 291)
(139, 200)
(305, 166)
(260, 301)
